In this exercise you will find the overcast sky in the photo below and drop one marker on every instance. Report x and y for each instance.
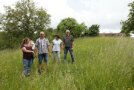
(106, 13)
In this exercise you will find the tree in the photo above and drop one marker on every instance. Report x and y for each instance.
(24, 20)
(50, 32)
(81, 28)
(93, 30)
(0, 21)
(70, 24)
(128, 25)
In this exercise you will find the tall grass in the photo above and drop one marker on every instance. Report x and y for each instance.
(102, 63)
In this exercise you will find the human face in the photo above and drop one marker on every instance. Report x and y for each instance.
(42, 35)
(67, 33)
(27, 41)
(56, 37)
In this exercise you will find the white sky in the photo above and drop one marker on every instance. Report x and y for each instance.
(106, 13)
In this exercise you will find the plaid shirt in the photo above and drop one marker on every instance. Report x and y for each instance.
(42, 45)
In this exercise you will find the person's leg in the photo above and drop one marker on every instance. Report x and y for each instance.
(54, 56)
(25, 66)
(40, 58)
(58, 54)
(46, 58)
(65, 54)
(72, 54)
(29, 66)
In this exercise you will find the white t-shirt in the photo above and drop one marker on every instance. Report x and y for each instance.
(56, 44)
(33, 45)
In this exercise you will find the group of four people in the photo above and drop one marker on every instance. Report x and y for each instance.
(42, 47)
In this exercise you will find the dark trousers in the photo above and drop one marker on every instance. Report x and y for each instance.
(66, 49)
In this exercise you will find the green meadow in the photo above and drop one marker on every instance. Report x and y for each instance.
(101, 63)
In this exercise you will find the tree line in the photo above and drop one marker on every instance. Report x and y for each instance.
(128, 25)
(25, 19)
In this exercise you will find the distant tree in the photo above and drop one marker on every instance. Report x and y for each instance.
(0, 21)
(50, 32)
(81, 28)
(128, 25)
(72, 25)
(93, 30)
(24, 19)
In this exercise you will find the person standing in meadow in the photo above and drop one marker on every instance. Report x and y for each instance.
(43, 47)
(31, 42)
(28, 55)
(57, 45)
(68, 45)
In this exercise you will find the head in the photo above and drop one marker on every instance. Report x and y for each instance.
(42, 34)
(25, 41)
(67, 32)
(57, 37)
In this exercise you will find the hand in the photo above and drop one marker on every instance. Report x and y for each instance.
(32, 52)
(72, 47)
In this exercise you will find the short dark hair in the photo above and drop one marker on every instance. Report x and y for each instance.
(57, 36)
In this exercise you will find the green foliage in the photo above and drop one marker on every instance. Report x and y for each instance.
(0, 21)
(3, 43)
(80, 28)
(128, 25)
(50, 32)
(24, 20)
(72, 25)
(6, 42)
(93, 30)
(101, 64)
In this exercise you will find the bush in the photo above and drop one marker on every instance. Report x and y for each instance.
(7, 42)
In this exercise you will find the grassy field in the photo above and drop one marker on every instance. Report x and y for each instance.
(102, 63)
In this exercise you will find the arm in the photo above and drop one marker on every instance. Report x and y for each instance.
(36, 51)
(25, 50)
(52, 45)
(72, 45)
(49, 48)
(36, 48)
(72, 42)
(63, 45)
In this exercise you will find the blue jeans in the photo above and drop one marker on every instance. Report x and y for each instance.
(66, 49)
(27, 66)
(43, 57)
(56, 55)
